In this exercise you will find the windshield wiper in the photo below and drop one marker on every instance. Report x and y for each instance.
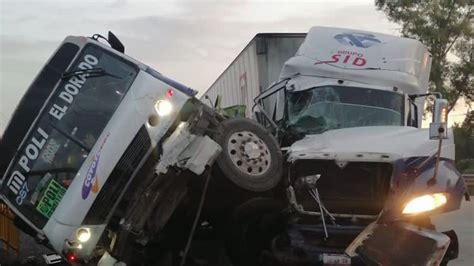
(93, 72)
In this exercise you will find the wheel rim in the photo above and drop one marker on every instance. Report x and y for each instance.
(249, 153)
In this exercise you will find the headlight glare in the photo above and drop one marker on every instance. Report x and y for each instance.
(425, 203)
(163, 107)
(83, 235)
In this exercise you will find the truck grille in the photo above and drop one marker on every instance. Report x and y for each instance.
(357, 188)
(118, 178)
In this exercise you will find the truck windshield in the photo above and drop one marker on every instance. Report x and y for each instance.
(65, 132)
(330, 107)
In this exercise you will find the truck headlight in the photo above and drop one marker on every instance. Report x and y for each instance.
(425, 203)
(83, 235)
(163, 107)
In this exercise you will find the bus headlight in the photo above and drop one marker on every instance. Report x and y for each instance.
(163, 107)
(425, 203)
(83, 235)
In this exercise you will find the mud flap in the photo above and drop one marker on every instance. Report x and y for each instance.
(399, 244)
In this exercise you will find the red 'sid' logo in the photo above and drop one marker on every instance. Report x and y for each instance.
(346, 57)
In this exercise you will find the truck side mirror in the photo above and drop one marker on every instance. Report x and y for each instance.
(439, 125)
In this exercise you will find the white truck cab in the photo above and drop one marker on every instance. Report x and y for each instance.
(386, 66)
(348, 109)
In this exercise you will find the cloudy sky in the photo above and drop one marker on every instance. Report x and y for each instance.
(191, 41)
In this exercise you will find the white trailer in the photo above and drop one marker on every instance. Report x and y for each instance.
(254, 69)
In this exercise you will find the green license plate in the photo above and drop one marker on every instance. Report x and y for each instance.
(51, 198)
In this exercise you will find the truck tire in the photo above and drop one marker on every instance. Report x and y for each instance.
(250, 157)
(251, 228)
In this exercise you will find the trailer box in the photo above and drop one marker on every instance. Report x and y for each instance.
(254, 69)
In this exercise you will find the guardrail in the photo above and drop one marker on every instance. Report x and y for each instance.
(469, 179)
(9, 234)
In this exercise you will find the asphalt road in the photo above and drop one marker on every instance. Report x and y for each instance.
(461, 221)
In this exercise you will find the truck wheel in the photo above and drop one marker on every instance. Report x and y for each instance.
(251, 228)
(251, 157)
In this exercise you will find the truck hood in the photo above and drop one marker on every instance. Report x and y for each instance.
(374, 144)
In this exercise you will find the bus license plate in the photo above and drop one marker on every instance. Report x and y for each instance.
(51, 198)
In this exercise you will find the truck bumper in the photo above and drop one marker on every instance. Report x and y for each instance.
(403, 244)
(306, 245)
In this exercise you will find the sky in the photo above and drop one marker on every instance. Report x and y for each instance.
(191, 41)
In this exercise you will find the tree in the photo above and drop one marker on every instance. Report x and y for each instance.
(464, 141)
(445, 27)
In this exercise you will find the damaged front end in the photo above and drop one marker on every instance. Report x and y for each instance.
(165, 203)
(403, 244)
(161, 184)
(403, 233)
(330, 203)
(368, 208)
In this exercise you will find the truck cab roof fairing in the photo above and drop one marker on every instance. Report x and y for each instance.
(380, 59)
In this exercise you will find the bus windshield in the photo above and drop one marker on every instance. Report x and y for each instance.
(73, 119)
(324, 108)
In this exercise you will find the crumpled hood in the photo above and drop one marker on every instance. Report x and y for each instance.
(375, 144)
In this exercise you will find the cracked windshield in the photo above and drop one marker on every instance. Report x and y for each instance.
(330, 107)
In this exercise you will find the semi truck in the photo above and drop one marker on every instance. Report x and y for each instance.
(103, 151)
(362, 177)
